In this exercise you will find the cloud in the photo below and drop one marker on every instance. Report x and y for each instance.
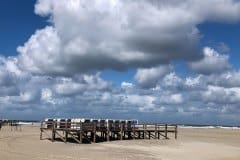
(41, 52)
(91, 96)
(10, 76)
(141, 102)
(213, 62)
(223, 48)
(58, 70)
(170, 99)
(228, 95)
(47, 96)
(91, 36)
(80, 84)
(126, 85)
(227, 79)
(26, 97)
(148, 77)
(171, 81)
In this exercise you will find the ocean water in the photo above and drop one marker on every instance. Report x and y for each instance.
(208, 127)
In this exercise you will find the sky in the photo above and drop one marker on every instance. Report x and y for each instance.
(155, 61)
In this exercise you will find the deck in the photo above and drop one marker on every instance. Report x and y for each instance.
(88, 132)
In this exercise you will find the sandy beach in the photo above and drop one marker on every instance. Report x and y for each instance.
(192, 144)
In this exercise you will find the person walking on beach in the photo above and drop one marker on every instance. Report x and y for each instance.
(0, 125)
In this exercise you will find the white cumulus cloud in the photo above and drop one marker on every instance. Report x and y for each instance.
(95, 35)
(213, 62)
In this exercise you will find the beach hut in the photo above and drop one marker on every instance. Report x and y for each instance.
(49, 123)
(85, 120)
(117, 124)
(60, 122)
(63, 123)
(102, 124)
(96, 122)
(110, 123)
(129, 124)
(75, 123)
(122, 124)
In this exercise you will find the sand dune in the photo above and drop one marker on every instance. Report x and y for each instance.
(193, 144)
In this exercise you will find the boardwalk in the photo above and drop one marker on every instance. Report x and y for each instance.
(87, 131)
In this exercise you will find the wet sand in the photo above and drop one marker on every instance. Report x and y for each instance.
(192, 144)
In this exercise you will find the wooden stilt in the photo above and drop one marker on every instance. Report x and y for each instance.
(121, 131)
(66, 136)
(53, 135)
(53, 132)
(144, 133)
(134, 131)
(41, 130)
(108, 132)
(78, 135)
(41, 134)
(166, 130)
(66, 132)
(81, 132)
(94, 133)
(155, 136)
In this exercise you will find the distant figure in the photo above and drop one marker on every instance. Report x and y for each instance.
(0, 125)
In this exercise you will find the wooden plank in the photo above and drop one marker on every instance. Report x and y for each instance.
(60, 136)
(45, 132)
(163, 135)
(73, 136)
